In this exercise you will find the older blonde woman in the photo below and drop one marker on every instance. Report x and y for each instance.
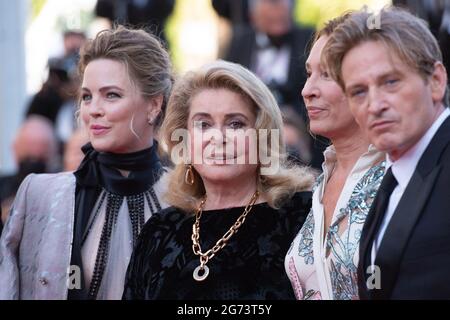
(233, 213)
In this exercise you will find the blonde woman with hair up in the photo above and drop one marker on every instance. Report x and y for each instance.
(232, 214)
(70, 235)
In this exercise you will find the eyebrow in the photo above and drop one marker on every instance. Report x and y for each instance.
(236, 114)
(227, 116)
(352, 86)
(105, 88)
(381, 77)
(201, 114)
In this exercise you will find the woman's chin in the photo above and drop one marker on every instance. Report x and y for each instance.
(106, 146)
(223, 173)
(101, 146)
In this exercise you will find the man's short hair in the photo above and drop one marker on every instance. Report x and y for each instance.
(405, 34)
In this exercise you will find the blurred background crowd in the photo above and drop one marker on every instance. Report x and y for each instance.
(40, 40)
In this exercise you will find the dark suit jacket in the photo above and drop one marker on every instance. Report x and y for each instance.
(414, 255)
(243, 49)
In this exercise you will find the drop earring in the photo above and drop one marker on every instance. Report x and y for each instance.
(189, 176)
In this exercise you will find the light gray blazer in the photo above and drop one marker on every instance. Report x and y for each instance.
(36, 243)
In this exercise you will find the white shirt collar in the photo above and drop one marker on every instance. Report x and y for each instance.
(404, 167)
(330, 156)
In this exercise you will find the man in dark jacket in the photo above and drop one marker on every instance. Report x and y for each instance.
(273, 48)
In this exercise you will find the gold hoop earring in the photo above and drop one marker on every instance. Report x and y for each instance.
(189, 176)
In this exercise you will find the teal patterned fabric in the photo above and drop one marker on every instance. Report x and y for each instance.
(342, 238)
(344, 247)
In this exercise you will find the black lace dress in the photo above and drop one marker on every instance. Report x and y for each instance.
(250, 266)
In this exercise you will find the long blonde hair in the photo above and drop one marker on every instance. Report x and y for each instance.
(276, 187)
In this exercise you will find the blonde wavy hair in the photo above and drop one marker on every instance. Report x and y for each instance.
(276, 188)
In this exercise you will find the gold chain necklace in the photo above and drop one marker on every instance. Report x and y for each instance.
(202, 271)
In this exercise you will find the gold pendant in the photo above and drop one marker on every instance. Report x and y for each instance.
(202, 277)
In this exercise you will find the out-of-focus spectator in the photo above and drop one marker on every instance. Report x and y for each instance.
(73, 155)
(36, 151)
(302, 146)
(236, 15)
(295, 136)
(138, 13)
(235, 11)
(49, 99)
(56, 99)
(73, 40)
(274, 48)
